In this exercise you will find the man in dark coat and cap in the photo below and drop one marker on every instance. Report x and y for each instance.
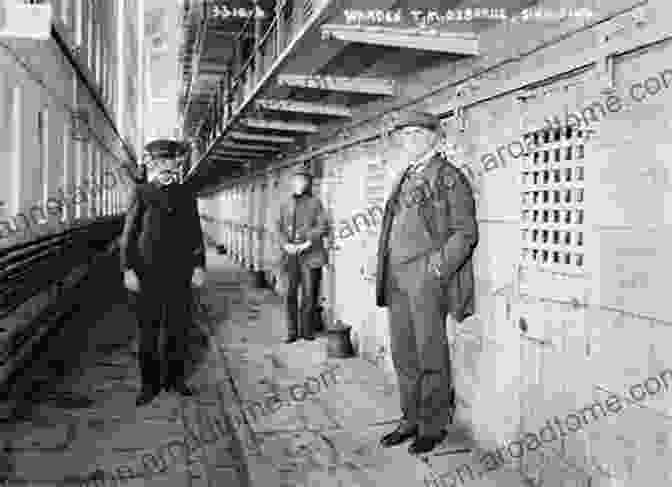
(300, 228)
(162, 257)
(424, 273)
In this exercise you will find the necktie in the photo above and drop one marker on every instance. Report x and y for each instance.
(295, 200)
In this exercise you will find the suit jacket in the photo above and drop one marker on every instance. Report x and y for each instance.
(162, 233)
(448, 211)
(306, 213)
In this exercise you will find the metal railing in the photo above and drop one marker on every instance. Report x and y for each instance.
(45, 264)
(242, 77)
(201, 14)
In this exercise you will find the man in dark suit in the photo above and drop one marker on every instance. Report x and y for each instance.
(300, 228)
(424, 273)
(162, 256)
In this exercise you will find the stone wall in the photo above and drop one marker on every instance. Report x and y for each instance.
(548, 338)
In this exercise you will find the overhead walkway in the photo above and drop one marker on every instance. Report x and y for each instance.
(257, 89)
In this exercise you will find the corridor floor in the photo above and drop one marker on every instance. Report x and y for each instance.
(267, 414)
(78, 424)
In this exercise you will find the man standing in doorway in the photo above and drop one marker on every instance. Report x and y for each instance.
(300, 227)
(162, 256)
(424, 273)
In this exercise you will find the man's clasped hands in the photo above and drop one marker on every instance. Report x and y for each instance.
(292, 249)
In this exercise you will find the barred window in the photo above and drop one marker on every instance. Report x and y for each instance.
(552, 199)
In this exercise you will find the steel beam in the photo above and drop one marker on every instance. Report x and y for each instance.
(213, 67)
(366, 86)
(232, 145)
(304, 107)
(449, 42)
(236, 153)
(239, 154)
(207, 78)
(229, 160)
(280, 125)
(273, 139)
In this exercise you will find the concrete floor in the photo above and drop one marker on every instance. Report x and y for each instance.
(267, 414)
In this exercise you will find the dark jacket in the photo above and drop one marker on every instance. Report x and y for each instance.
(162, 234)
(449, 212)
(311, 223)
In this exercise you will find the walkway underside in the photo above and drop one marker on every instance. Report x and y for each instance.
(257, 91)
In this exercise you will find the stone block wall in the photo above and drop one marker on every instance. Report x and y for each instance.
(549, 339)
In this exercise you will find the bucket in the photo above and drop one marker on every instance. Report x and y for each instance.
(259, 280)
(338, 342)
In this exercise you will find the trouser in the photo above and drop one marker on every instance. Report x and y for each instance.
(163, 306)
(420, 349)
(302, 323)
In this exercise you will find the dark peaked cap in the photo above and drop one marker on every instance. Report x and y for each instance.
(416, 118)
(302, 171)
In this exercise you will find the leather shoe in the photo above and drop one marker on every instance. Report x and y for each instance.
(291, 340)
(145, 397)
(398, 436)
(424, 444)
(183, 390)
(311, 338)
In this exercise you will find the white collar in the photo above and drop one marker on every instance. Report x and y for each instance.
(414, 166)
(422, 162)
